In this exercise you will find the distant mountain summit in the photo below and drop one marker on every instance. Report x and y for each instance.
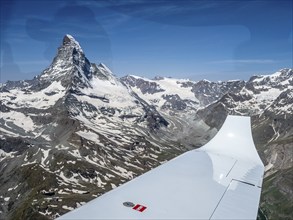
(70, 66)
(68, 40)
(76, 130)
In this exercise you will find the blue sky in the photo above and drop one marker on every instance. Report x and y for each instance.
(215, 40)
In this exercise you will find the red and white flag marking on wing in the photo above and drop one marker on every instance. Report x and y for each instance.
(139, 208)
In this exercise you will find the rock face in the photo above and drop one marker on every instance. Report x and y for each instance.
(76, 131)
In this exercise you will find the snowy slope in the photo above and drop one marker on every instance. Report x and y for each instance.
(163, 93)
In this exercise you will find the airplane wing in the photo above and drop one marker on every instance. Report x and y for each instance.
(221, 180)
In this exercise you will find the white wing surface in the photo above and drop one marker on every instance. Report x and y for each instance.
(221, 180)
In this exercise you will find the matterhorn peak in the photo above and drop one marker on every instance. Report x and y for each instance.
(69, 65)
(68, 40)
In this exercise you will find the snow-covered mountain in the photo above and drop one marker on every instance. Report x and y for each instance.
(72, 133)
(77, 131)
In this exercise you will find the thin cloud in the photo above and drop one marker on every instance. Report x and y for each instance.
(33, 62)
(111, 21)
(244, 61)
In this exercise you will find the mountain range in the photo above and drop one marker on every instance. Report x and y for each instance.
(77, 131)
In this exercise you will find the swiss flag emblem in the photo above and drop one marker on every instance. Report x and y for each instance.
(139, 208)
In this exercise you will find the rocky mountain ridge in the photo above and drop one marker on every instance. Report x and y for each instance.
(77, 131)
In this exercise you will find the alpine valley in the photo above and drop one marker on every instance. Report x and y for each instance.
(77, 131)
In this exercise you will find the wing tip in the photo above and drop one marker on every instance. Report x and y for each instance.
(234, 139)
